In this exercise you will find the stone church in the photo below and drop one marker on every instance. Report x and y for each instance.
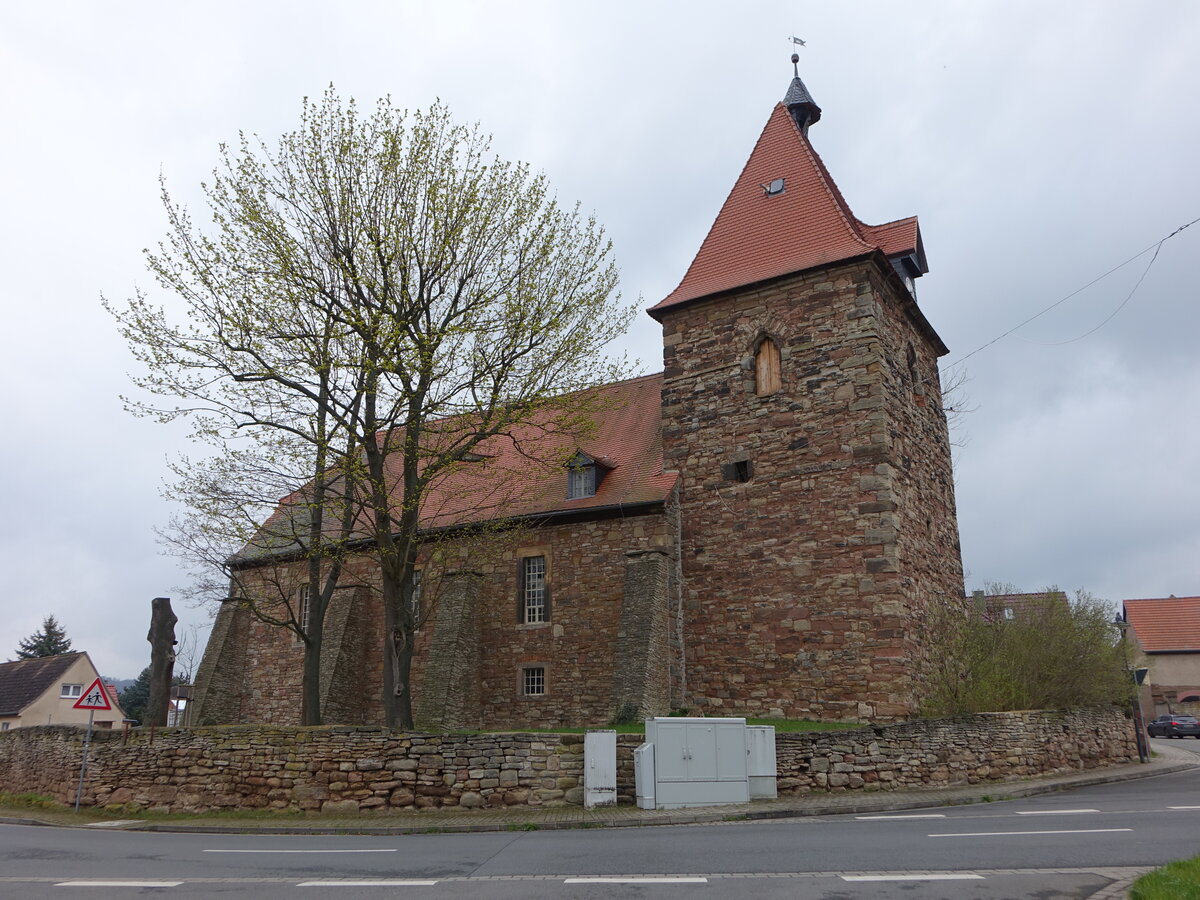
(759, 529)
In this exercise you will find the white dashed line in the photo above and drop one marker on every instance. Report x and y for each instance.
(944, 876)
(648, 880)
(1183, 807)
(380, 850)
(115, 823)
(112, 884)
(923, 816)
(1013, 833)
(407, 882)
(1056, 812)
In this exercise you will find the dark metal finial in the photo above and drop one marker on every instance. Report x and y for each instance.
(796, 64)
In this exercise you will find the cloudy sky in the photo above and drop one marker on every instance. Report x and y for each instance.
(1040, 144)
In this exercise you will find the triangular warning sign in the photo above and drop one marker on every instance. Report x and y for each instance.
(95, 697)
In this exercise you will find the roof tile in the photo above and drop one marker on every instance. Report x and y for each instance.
(1165, 625)
(756, 236)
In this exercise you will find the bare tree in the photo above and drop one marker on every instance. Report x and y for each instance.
(455, 299)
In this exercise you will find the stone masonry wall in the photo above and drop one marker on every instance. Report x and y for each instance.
(589, 638)
(916, 522)
(800, 594)
(641, 683)
(342, 769)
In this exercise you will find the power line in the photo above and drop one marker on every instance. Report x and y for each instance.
(1156, 247)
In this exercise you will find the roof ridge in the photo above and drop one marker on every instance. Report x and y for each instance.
(831, 188)
(885, 224)
(720, 209)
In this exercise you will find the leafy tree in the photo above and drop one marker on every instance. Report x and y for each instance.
(50, 641)
(1052, 653)
(374, 299)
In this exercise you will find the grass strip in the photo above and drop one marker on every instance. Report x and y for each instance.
(1177, 881)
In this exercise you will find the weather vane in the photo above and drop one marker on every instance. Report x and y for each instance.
(796, 42)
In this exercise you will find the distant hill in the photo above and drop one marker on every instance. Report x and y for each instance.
(121, 683)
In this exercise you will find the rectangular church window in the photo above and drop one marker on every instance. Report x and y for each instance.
(533, 681)
(533, 590)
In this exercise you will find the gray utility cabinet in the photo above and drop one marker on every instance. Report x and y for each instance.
(599, 769)
(696, 762)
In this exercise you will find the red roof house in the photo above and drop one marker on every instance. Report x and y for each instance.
(1166, 632)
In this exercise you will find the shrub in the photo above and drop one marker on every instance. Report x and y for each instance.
(1054, 654)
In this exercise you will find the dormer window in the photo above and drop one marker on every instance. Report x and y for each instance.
(584, 474)
(909, 267)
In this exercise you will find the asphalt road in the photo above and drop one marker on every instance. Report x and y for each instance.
(1068, 844)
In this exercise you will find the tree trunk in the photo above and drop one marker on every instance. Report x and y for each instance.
(310, 703)
(162, 660)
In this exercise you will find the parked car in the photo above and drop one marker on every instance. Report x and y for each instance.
(1174, 726)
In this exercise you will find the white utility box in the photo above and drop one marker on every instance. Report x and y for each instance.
(599, 769)
(760, 761)
(643, 775)
(697, 762)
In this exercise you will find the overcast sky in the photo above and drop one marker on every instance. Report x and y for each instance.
(1040, 144)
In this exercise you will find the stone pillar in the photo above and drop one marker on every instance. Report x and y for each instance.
(344, 691)
(641, 669)
(448, 698)
(217, 695)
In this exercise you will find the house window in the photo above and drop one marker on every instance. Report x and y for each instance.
(533, 681)
(582, 476)
(1008, 612)
(3, 726)
(71, 691)
(581, 482)
(768, 376)
(533, 590)
(304, 606)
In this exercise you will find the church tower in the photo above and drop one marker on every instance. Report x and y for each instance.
(802, 409)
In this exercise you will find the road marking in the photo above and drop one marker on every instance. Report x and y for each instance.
(1056, 812)
(945, 876)
(379, 850)
(637, 880)
(1009, 833)
(111, 884)
(116, 823)
(410, 882)
(927, 816)
(1183, 807)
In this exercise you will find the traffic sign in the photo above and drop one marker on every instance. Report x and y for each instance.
(95, 697)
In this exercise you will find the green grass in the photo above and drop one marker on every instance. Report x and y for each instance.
(28, 800)
(1177, 881)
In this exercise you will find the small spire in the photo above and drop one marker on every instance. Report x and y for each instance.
(798, 100)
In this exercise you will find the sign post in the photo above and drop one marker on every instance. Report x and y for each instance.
(94, 698)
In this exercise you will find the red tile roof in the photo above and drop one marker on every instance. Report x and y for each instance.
(1165, 625)
(756, 237)
(524, 473)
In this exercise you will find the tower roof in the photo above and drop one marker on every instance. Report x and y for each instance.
(800, 103)
(785, 214)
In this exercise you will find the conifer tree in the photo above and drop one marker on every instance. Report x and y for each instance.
(50, 641)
